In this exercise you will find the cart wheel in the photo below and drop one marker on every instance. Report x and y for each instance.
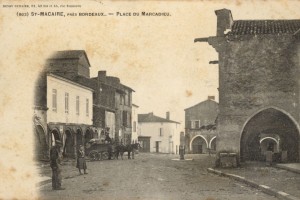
(93, 155)
(113, 155)
(104, 155)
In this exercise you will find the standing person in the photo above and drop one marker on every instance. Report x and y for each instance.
(55, 165)
(81, 164)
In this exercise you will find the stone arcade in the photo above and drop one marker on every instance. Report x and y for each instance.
(259, 62)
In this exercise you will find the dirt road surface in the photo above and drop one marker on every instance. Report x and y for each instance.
(150, 176)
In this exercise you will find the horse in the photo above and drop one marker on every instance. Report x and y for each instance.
(120, 149)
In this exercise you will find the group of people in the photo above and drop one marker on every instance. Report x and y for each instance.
(55, 164)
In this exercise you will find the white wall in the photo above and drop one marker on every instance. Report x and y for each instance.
(110, 122)
(62, 86)
(134, 117)
(167, 144)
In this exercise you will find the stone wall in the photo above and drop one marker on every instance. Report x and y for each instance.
(256, 72)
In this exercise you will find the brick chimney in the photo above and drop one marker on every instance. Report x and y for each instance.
(168, 115)
(211, 97)
(102, 75)
(224, 21)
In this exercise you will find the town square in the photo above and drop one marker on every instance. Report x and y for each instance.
(151, 100)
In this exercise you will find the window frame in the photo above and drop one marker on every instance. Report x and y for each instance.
(67, 97)
(54, 100)
(77, 105)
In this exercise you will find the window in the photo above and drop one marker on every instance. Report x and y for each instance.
(129, 99)
(54, 100)
(197, 124)
(120, 99)
(134, 126)
(128, 119)
(124, 118)
(77, 105)
(126, 98)
(192, 124)
(161, 132)
(66, 102)
(87, 107)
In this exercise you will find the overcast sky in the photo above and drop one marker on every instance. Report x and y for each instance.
(156, 56)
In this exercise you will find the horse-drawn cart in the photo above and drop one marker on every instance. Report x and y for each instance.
(97, 150)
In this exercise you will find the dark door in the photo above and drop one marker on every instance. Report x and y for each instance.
(145, 144)
(197, 148)
(157, 146)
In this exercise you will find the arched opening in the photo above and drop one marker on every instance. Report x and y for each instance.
(263, 130)
(88, 136)
(199, 144)
(95, 134)
(269, 144)
(213, 144)
(69, 144)
(40, 142)
(79, 138)
(54, 136)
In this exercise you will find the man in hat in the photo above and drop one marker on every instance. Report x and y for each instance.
(55, 165)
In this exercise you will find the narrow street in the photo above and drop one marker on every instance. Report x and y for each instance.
(149, 176)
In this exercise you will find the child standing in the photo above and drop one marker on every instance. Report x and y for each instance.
(81, 164)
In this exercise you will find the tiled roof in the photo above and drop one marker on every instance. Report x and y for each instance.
(91, 83)
(150, 117)
(202, 102)
(69, 54)
(129, 88)
(80, 80)
(254, 27)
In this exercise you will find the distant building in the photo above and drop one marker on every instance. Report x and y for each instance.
(259, 98)
(160, 135)
(200, 127)
(135, 128)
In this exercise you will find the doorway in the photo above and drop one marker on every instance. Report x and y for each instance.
(157, 146)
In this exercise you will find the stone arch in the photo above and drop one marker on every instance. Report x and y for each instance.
(79, 137)
(266, 138)
(68, 148)
(197, 144)
(55, 135)
(95, 134)
(269, 144)
(88, 135)
(211, 140)
(40, 142)
(266, 121)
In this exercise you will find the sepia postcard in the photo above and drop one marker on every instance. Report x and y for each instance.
(154, 99)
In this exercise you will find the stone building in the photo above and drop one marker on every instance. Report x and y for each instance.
(113, 105)
(259, 87)
(100, 102)
(157, 134)
(200, 127)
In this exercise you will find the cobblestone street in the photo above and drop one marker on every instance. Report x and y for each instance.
(149, 176)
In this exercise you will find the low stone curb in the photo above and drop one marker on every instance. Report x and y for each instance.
(288, 169)
(264, 188)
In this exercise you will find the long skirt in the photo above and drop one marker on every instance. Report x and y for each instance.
(56, 178)
(81, 164)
